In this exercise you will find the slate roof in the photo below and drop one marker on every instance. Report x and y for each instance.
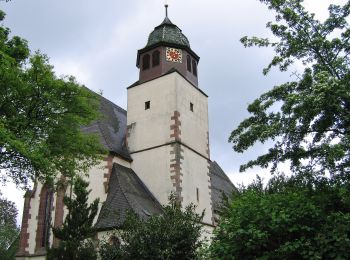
(111, 128)
(126, 192)
(167, 32)
(220, 184)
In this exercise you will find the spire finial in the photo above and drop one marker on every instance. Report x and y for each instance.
(166, 8)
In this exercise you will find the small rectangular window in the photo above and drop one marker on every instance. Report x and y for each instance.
(197, 191)
(147, 105)
(191, 107)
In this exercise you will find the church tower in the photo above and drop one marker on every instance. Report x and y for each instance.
(167, 121)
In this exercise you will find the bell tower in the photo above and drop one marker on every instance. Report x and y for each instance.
(167, 48)
(167, 118)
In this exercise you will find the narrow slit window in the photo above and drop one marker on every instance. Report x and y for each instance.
(155, 58)
(145, 62)
(147, 105)
(197, 193)
(194, 67)
(189, 63)
(191, 107)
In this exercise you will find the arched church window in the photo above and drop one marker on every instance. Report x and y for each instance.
(145, 61)
(194, 67)
(155, 58)
(44, 218)
(189, 63)
(114, 241)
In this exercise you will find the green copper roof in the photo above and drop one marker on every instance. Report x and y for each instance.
(167, 32)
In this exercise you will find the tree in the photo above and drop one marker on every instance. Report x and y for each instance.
(311, 125)
(8, 227)
(41, 117)
(77, 228)
(289, 219)
(306, 216)
(175, 234)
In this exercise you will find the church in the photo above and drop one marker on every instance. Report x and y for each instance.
(159, 146)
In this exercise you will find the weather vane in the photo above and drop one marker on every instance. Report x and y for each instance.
(166, 8)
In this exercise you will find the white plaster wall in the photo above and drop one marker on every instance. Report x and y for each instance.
(96, 180)
(152, 128)
(53, 213)
(153, 168)
(33, 221)
(167, 94)
(194, 125)
(152, 125)
(195, 175)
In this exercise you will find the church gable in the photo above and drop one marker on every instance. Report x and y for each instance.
(126, 193)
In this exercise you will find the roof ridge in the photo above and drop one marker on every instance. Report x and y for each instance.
(100, 96)
(221, 176)
(115, 165)
(115, 105)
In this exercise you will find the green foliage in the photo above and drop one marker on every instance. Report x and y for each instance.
(76, 233)
(175, 234)
(292, 218)
(311, 125)
(8, 229)
(11, 252)
(306, 216)
(41, 116)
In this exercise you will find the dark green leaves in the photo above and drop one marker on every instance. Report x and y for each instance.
(292, 218)
(175, 234)
(9, 231)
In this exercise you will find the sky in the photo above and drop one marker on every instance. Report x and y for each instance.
(97, 42)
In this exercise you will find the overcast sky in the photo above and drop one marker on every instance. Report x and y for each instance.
(97, 42)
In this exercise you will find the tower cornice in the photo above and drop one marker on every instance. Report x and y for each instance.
(137, 83)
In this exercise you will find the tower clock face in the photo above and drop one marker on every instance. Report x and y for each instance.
(173, 55)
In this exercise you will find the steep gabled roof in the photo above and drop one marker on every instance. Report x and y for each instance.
(126, 192)
(111, 128)
(220, 184)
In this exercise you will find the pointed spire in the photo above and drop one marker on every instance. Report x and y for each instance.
(166, 19)
(166, 9)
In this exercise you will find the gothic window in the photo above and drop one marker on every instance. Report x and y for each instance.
(155, 58)
(147, 105)
(114, 241)
(189, 63)
(145, 61)
(44, 218)
(194, 67)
